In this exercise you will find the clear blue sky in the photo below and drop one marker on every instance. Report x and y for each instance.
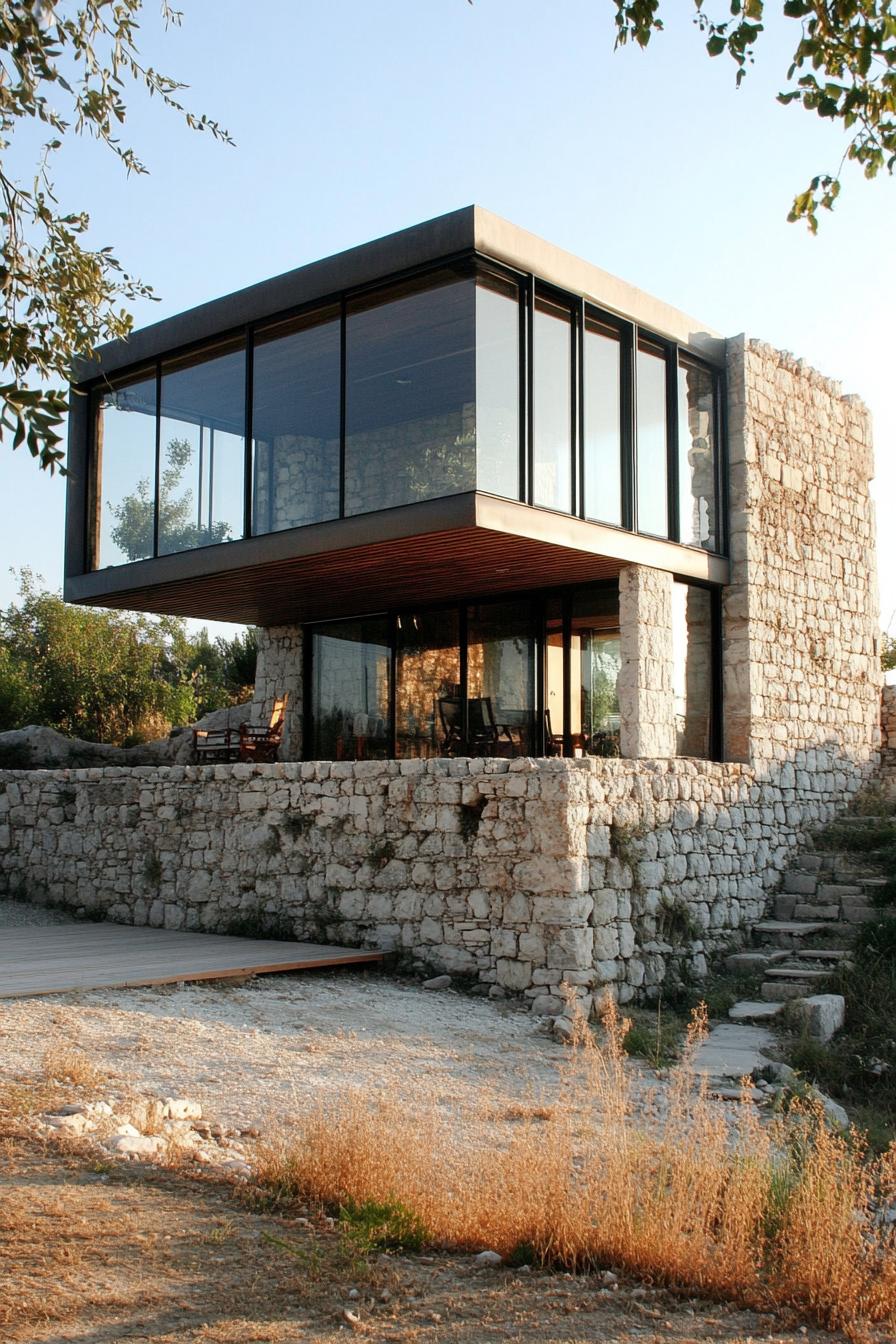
(353, 119)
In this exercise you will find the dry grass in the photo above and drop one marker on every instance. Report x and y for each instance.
(68, 1064)
(705, 1202)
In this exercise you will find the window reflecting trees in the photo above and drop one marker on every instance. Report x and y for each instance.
(202, 414)
(125, 449)
(351, 662)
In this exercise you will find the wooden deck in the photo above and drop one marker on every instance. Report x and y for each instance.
(39, 960)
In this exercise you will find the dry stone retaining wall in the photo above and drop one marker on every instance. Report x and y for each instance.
(522, 874)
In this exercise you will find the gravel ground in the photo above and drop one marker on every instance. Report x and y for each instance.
(18, 915)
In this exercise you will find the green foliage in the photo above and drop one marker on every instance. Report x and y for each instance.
(371, 1226)
(858, 1067)
(108, 676)
(843, 69)
(888, 653)
(134, 515)
(655, 1036)
(64, 72)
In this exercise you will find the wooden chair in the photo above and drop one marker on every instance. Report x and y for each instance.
(452, 730)
(213, 745)
(553, 742)
(259, 742)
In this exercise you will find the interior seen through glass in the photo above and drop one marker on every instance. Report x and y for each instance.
(466, 680)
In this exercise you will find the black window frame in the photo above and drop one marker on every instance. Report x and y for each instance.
(529, 287)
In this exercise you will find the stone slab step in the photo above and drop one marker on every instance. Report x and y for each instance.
(733, 1050)
(785, 932)
(780, 991)
(804, 973)
(832, 954)
(751, 1010)
(815, 911)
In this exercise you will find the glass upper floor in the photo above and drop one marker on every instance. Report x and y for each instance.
(465, 376)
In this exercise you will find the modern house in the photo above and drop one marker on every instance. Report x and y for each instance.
(435, 455)
(574, 601)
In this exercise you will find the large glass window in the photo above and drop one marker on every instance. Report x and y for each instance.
(653, 507)
(552, 406)
(202, 449)
(696, 455)
(296, 423)
(497, 387)
(410, 396)
(428, 718)
(125, 470)
(603, 421)
(692, 679)
(501, 678)
(350, 690)
(595, 664)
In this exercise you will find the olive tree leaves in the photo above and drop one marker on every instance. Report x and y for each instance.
(65, 67)
(843, 69)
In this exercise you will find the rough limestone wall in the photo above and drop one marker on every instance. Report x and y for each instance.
(646, 703)
(801, 665)
(888, 737)
(279, 673)
(522, 874)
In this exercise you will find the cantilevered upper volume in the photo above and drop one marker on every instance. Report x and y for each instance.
(456, 410)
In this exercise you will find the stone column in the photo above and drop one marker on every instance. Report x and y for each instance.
(646, 704)
(279, 673)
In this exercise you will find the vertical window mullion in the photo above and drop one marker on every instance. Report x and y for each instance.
(248, 465)
(158, 480)
(343, 325)
(393, 686)
(308, 726)
(716, 730)
(462, 636)
(629, 426)
(530, 389)
(578, 410)
(567, 673)
(672, 465)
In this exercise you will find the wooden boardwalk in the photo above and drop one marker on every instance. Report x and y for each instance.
(52, 960)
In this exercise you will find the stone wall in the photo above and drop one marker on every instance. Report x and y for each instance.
(522, 874)
(800, 618)
(888, 737)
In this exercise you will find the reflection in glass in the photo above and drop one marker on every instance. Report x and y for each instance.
(411, 397)
(350, 690)
(501, 679)
(692, 669)
(202, 455)
(427, 689)
(603, 450)
(653, 508)
(497, 387)
(125, 471)
(696, 455)
(552, 407)
(295, 423)
(596, 661)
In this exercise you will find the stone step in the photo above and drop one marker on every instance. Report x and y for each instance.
(751, 1010)
(817, 911)
(786, 932)
(781, 991)
(744, 962)
(835, 955)
(804, 974)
